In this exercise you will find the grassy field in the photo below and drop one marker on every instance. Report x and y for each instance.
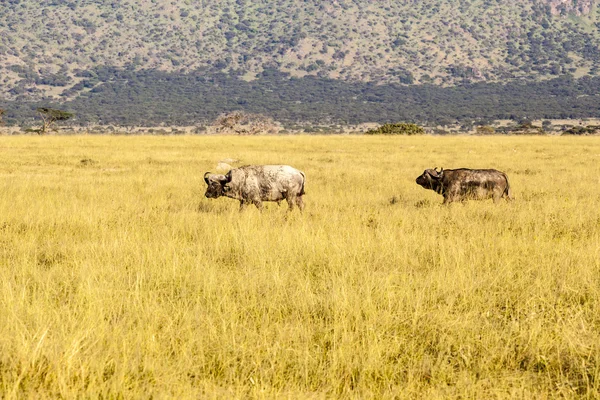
(119, 279)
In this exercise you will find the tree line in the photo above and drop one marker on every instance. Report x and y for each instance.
(155, 98)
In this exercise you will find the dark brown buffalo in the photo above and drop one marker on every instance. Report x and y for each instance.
(467, 184)
(253, 184)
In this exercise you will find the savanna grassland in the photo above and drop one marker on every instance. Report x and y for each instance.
(119, 279)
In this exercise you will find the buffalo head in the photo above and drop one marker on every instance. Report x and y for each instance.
(431, 179)
(216, 184)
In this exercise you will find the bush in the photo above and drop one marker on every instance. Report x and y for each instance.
(397, 129)
(582, 130)
(485, 130)
(527, 128)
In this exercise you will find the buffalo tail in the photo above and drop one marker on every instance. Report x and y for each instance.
(303, 181)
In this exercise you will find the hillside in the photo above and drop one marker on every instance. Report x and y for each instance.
(154, 98)
(51, 48)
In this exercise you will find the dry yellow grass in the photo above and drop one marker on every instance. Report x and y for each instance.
(119, 279)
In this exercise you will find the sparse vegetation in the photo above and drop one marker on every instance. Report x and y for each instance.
(485, 130)
(397, 129)
(582, 130)
(527, 128)
(376, 291)
(243, 123)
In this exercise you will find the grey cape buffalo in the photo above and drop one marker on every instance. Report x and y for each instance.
(257, 183)
(464, 184)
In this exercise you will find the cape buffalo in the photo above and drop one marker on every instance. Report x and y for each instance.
(257, 183)
(464, 184)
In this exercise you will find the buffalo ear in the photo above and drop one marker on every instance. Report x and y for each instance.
(224, 180)
(206, 177)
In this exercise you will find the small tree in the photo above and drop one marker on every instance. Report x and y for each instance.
(50, 116)
(1, 115)
(547, 125)
(397, 129)
(243, 123)
(527, 128)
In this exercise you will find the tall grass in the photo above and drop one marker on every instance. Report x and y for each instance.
(118, 278)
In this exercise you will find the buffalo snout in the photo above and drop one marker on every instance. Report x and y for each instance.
(213, 191)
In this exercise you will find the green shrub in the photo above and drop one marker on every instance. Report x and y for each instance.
(397, 129)
(582, 130)
(527, 128)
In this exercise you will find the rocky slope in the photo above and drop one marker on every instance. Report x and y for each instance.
(53, 47)
(565, 7)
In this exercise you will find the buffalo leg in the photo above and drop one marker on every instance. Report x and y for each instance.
(242, 205)
(449, 199)
(258, 204)
(300, 203)
(291, 200)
